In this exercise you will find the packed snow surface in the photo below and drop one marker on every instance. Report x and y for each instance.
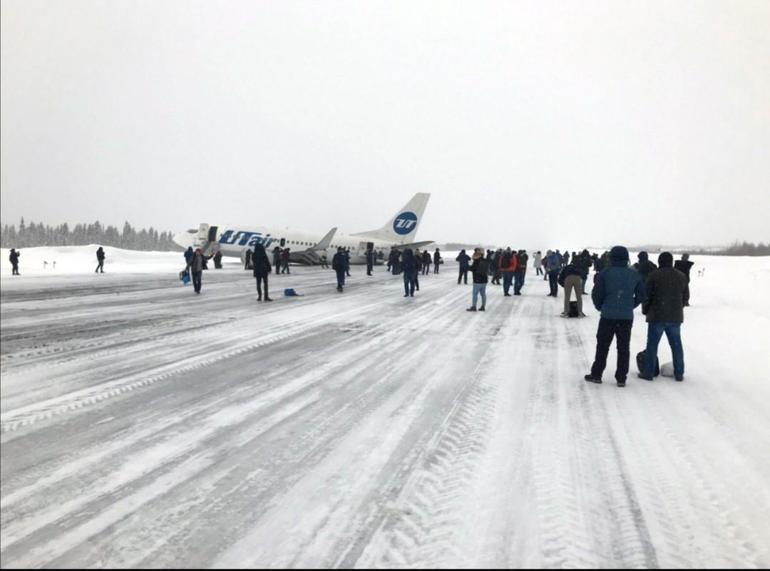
(145, 426)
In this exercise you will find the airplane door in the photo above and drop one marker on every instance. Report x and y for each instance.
(283, 242)
(213, 234)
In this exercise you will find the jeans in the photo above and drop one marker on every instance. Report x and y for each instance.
(196, 279)
(480, 289)
(507, 281)
(463, 275)
(609, 328)
(538, 271)
(410, 280)
(553, 282)
(518, 280)
(655, 330)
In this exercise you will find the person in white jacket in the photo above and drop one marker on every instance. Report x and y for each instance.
(538, 262)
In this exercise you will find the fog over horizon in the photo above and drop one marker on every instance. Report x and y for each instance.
(530, 123)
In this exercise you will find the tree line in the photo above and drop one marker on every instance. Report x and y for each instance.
(130, 238)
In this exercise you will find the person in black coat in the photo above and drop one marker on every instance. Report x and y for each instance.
(100, 259)
(436, 260)
(14, 259)
(260, 264)
(426, 262)
(369, 261)
(347, 264)
(666, 289)
(464, 261)
(684, 266)
(277, 259)
(521, 271)
(409, 267)
(218, 260)
(339, 265)
(644, 266)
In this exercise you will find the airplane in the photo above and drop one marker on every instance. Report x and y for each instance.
(306, 247)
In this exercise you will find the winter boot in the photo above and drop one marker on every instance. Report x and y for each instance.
(591, 379)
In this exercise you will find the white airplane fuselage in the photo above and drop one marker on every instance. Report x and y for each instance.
(307, 247)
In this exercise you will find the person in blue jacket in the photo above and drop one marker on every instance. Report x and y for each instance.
(617, 291)
(464, 260)
(409, 267)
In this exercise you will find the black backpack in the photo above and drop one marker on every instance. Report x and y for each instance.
(641, 356)
(573, 309)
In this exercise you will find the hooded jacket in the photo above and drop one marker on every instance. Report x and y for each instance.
(260, 262)
(644, 266)
(618, 289)
(665, 293)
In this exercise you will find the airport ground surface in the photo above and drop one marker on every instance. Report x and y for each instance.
(143, 426)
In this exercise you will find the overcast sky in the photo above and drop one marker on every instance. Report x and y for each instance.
(531, 123)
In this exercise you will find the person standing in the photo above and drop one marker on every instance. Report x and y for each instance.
(285, 256)
(617, 291)
(410, 273)
(418, 270)
(480, 273)
(508, 264)
(538, 263)
(684, 266)
(426, 260)
(552, 268)
(196, 268)
(218, 260)
(571, 278)
(522, 258)
(14, 259)
(100, 259)
(664, 308)
(369, 261)
(260, 264)
(464, 261)
(324, 261)
(436, 260)
(583, 262)
(644, 266)
(339, 265)
(277, 259)
(347, 262)
(497, 256)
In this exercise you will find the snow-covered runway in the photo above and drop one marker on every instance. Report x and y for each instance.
(144, 426)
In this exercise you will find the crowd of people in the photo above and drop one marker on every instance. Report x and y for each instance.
(618, 288)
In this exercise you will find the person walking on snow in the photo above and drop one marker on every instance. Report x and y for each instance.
(480, 273)
(644, 266)
(285, 256)
(617, 291)
(196, 268)
(684, 266)
(14, 259)
(100, 259)
(260, 264)
(410, 273)
(538, 263)
(463, 259)
(664, 308)
(522, 258)
(339, 265)
(552, 268)
(507, 264)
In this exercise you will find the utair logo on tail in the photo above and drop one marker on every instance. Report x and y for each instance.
(405, 223)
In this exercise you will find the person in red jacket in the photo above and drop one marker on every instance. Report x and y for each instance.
(507, 264)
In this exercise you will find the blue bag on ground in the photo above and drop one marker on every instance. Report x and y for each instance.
(184, 277)
(289, 292)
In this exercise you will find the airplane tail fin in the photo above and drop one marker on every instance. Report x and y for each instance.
(402, 227)
(325, 241)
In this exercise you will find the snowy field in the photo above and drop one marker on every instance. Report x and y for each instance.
(144, 426)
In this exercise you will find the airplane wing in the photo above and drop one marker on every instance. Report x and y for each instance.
(413, 245)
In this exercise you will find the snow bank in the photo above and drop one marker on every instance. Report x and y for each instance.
(74, 260)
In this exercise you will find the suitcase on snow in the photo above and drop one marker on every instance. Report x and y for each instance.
(573, 309)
